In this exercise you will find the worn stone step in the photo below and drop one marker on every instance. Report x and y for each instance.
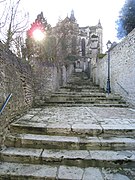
(74, 129)
(19, 171)
(81, 85)
(69, 142)
(83, 94)
(78, 158)
(59, 101)
(88, 94)
(77, 99)
(81, 90)
(81, 102)
(86, 98)
(80, 94)
(99, 98)
(86, 104)
(94, 97)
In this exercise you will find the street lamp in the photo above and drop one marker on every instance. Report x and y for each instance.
(108, 88)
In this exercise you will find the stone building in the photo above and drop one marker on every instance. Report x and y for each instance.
(66, 33)
(85, 43)
(68, 41)
(90, 41)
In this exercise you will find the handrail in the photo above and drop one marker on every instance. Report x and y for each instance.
(5, 103)
(123, 89)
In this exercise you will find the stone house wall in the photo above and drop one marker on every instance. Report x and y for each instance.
(122, 69)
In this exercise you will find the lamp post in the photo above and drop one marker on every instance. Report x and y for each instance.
(89, 68)
(108, 88)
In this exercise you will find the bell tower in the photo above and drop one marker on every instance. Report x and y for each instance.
(100, 35)
(72, 16)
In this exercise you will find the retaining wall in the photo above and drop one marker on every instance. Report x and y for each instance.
(30, 85)
(122, 69)
(15, 78)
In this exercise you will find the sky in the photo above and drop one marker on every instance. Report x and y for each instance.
(87, 13)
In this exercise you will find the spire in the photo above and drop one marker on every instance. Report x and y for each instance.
(99, 24)
(72, 17)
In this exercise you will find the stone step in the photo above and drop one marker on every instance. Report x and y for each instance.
(80, 90)
(101, 96)
(87, 93)
(81, 83)
(83, 94)
(82, 99)
(110, 103)
(72, 88)
(97, 102)
(19, 171)
(78, 158)
(69, 142)
(91, 97)
(72, 94)
(72, 104)
(74, 129)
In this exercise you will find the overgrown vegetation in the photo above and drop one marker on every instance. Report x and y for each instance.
(126, 20)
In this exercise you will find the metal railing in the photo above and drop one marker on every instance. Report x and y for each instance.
(5, 103)
(123, 89)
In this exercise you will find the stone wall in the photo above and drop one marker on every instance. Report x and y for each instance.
(122, 69)
(47, 79)
(30, 84)
(15, 78)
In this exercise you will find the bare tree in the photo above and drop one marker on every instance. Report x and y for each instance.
(3, 15)
(66, 34)
(15, 22)
(2, 1)
(59, 45)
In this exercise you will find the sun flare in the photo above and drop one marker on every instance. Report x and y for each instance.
(38, 35)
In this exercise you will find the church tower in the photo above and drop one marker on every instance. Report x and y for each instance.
(72, 16)
(100, 35)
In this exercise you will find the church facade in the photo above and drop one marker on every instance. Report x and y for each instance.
(87, 41)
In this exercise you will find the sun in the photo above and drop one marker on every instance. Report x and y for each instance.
(38, 35)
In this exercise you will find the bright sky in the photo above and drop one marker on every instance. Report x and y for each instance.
(87, 13)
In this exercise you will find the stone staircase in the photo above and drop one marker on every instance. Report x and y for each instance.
(81, 91)
(76, 143)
